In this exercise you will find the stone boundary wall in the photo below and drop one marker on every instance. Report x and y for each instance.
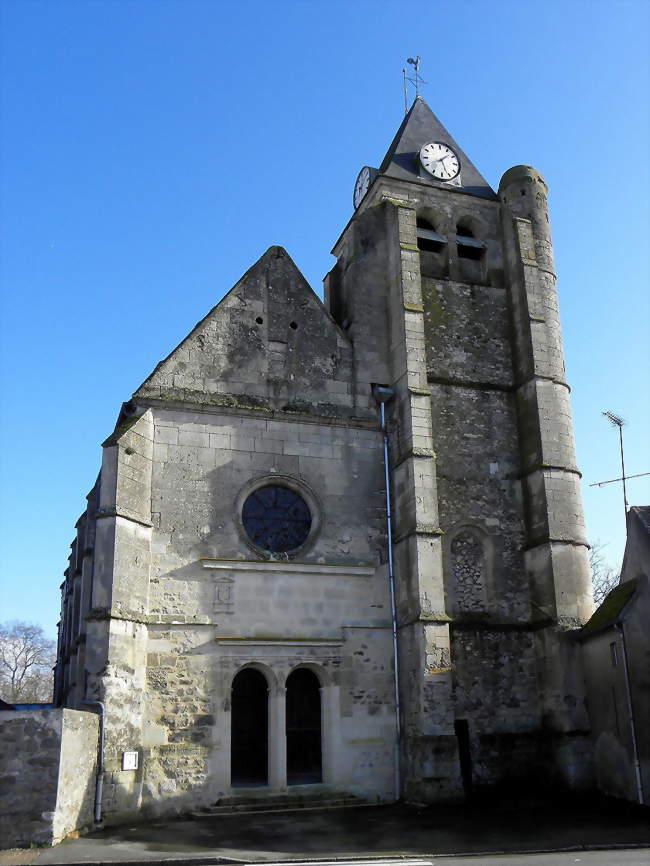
(47, 774)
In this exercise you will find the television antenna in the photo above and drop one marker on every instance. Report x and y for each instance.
(617, 421)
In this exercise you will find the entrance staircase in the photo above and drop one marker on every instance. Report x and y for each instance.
(244, 802)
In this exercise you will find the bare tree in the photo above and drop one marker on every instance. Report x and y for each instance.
(603, 577)
(26, 661)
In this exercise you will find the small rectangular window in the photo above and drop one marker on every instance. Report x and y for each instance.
(612, 652)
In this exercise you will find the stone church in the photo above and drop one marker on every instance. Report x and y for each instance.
(338, 547)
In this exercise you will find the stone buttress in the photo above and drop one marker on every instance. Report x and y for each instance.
(375, 289)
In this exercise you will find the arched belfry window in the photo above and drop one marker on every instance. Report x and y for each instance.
(469, 572)
(432, 246)
(468, 246)
(429, 239)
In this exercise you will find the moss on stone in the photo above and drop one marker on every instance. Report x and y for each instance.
(435, 616)
(236, 401)
(434, 311)
(611, 609)
(121, 429)
(397, 202)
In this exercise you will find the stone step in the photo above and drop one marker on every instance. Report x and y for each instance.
(239, 804)
(253, 795)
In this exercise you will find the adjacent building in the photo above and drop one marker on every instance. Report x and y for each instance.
(616, 651)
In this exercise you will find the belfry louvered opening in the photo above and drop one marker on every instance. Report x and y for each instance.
(428, 238)
(467, 245)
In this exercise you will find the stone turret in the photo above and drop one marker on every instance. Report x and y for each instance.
(556, 545)
(524, 191)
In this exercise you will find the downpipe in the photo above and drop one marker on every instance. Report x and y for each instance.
(630, 709)
(382, 395)
(99, 779)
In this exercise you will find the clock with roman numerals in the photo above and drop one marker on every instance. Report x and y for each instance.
(440, 160)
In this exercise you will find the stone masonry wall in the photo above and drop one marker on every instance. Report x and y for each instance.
(204, 464)
(216, 603)
(476, 441)
(47, 774)
(495, 690)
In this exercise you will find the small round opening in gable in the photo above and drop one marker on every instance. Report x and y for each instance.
(276, 518)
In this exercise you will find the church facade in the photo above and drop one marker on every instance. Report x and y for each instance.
(262, 604)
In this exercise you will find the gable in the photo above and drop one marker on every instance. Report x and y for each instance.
(269, 343)
(636, 558)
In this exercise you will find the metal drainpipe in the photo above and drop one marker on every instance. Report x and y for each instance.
(99, 780)
(382, 395)
(628, 690)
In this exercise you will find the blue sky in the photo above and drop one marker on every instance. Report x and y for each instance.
(153, 149)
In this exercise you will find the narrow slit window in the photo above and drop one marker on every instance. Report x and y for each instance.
(613, 654)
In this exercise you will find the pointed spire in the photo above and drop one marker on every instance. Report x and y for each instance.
(420, 125)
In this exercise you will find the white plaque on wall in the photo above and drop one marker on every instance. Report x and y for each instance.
(129, 760)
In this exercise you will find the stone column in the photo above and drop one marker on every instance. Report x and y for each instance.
(330, 732)
(278, 737)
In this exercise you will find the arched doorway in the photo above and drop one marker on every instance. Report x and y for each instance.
(249, 737)
(304, 749)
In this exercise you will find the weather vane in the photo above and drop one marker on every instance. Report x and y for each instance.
(416, 80)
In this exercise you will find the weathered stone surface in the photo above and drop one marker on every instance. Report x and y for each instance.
(168, 597)
(47, 774)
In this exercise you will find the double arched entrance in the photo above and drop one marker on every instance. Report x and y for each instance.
(249, 739)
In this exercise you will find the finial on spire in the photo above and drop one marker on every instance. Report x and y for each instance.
(416, 80)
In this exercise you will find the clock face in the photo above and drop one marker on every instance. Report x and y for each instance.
(440, 160)
(361, 186)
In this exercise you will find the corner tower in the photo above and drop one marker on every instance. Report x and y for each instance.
(447, 293)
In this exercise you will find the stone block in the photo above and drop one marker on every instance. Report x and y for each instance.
(166, 434)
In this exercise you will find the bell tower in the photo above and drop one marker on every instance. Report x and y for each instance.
(446, 290)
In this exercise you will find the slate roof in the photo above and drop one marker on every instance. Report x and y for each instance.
(420, 126)
(611, 610)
